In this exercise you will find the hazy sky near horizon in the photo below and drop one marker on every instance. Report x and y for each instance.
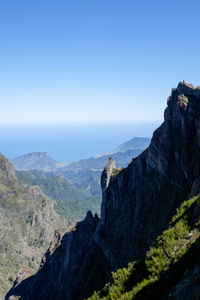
(92, 60)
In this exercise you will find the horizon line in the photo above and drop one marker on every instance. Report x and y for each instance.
(80, 122)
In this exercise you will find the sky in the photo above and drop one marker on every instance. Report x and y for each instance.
(92, 60)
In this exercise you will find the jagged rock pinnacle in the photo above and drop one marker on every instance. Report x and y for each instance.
(107, 173)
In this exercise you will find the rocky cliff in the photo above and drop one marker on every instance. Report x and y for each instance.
(138, 204)
(27, 224)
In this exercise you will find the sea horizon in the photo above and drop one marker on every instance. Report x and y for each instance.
(70, 141)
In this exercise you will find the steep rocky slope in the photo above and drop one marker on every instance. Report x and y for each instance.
(27, 224)
(138, 204)
(170, 269)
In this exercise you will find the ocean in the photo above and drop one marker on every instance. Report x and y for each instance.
(69, 141)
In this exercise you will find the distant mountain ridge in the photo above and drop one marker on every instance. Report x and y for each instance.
(136, 143)
(85, 173)
(97, 163)
(36, 160)
(42, 161)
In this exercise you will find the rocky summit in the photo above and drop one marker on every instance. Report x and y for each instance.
(138, 204)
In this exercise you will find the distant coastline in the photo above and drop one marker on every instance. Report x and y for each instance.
(70, 142)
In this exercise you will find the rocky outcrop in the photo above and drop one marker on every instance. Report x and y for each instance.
(138, 203)
(105, 180)
(7, 173)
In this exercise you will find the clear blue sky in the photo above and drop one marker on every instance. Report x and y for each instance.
(87, 60)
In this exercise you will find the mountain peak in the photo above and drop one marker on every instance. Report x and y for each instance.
(6, 169)
(185, 84)
(107, 173)
(36, 160)
(186, 89)
(40, 154)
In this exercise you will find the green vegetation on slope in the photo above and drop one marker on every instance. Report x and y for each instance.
(27, 224)
(76, 211)
(56, 187)
(71, 203)
(170, 257)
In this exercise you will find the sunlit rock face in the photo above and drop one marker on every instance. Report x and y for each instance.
(138, 203)
(27, 224)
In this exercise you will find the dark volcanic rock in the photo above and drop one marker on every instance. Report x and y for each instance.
(138, 203)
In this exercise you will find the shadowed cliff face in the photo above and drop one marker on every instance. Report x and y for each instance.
(138, 203)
